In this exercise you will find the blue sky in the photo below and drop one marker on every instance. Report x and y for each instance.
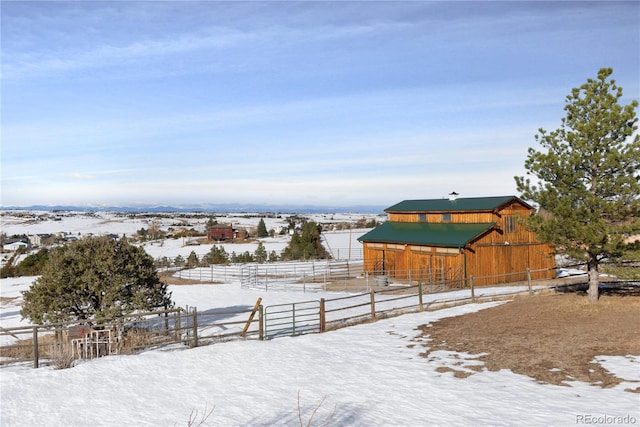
(291, 103)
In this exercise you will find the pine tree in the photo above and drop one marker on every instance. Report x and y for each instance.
(588, 187)
(211, 222)
(262, 229)
(260, 253)
(216, 255)
(91, 278)
(273, 256)
(192, 259)
(32, 265)
(305, 245)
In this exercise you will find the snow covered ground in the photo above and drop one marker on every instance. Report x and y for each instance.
(365, 375)
(80, 223)
(341, 244)
(371, 375)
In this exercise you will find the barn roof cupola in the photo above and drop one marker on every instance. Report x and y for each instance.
(453, 196)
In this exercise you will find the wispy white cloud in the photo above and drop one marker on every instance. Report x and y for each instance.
(43, 58)
(45, 62)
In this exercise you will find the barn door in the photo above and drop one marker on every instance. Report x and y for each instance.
(376, 265)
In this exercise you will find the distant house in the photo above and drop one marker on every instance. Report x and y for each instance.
(38, 239)
(240, 233)
(14, 246)
(450, 240)
(220, 232)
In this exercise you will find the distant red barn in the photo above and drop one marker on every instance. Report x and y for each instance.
(221, 232)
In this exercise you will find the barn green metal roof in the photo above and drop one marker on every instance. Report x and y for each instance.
(454, 235)
(474, 204)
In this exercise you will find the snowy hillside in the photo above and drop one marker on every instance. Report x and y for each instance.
(368, 375)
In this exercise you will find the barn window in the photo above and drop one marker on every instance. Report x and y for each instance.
(448, 250)
(446, 217)
(422, 217)
(510, 224)
(395, 247)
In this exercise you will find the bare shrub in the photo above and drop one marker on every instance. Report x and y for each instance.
(193, 417)
(136, 339)
(62, 355)
(314, 413)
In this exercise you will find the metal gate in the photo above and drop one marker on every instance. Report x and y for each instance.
(292, 319)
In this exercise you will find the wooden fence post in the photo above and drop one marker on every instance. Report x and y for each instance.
(529, 281)
(323, 320)
(420, 305)
(178, 325)
(251, 316)
(194, 343)
(36, 352)
(473, 292)
(373, 305)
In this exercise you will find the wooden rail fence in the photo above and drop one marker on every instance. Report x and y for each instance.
(190, 327)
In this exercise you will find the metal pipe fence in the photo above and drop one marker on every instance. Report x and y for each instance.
(347, 276)
(292, 319)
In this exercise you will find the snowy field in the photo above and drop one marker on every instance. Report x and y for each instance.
(366, 375)
(340, 243)
(371, 375)
(40, 222)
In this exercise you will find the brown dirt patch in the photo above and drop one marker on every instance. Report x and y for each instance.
(552, 338)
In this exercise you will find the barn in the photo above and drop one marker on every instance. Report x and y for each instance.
(220, 232)
(451, 240)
